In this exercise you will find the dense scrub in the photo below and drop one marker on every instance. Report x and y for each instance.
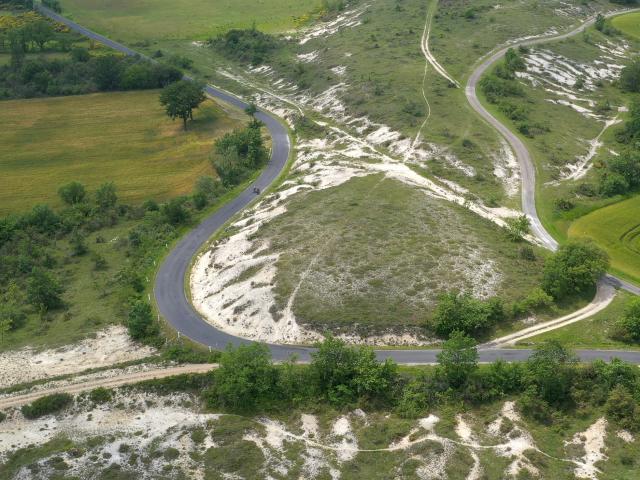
(572, 272)
(38, 249)
(548, 386)
(249, 45)
(47, 60)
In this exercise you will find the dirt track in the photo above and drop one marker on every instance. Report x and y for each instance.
(128, 379)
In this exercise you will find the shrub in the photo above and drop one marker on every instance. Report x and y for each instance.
(100, 395)
(140, 322)
(72, 193)
(246, 378)
(458, 358)
(623, 409)
(43, 290)
(612, 184)
(344, 374)
(630, 77)
(462, 312)
(517, 227)
(239, 153)
(248, 45)
(47, 405)
(627, 327)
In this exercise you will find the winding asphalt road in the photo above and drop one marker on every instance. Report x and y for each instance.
(169, 291)
(527, 168)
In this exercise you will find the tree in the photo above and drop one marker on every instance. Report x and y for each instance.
(72, 193)
(43, 290)
(246, 378)
(342, 373)
(251, 109)
(574, 269)
(140, 321)
(41, 32)
(181, 98)
(600, 22)
(108, 73)
(458, 358)
(550, 370)
(106, 196)
(174, 212)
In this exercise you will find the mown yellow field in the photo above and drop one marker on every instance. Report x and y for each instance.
(615, 228)
(123, 137)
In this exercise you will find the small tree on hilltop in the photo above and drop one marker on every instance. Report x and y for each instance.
(181, 98)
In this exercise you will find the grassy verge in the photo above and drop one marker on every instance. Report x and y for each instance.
(592, 332)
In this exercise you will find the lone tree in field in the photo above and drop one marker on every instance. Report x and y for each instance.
(181, 98)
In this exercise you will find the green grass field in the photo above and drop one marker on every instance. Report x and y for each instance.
(628, 24)
(121, 137)
(616, 228)
(139, 20)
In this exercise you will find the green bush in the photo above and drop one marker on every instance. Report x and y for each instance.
(574, 269)
(100, 395)
(463, 313)
(248, 45)
(627, 327)
(47, 405)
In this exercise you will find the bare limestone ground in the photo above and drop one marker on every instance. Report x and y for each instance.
(143, 435)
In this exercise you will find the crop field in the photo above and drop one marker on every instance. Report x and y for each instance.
(616, 228)
(628, 24)
(146, 20)
(121, 137)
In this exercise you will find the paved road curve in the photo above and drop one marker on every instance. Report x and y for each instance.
(527, 167)
(169, 289)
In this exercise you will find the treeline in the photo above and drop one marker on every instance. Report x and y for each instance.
(238, 154)
(248, 45)
(571, 272)
(549, 386)
(82, 73)
(28, 75)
